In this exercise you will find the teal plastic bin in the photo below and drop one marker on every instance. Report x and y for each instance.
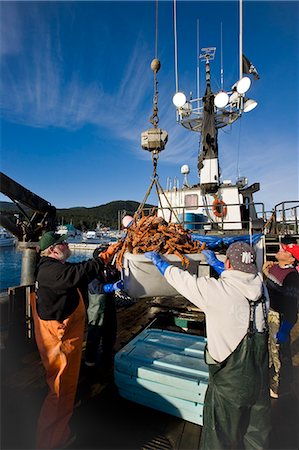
(164, 370)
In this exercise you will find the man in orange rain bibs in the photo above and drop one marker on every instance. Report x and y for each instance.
(59, 321)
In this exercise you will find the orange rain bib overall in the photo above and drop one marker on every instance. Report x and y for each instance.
(60, 348)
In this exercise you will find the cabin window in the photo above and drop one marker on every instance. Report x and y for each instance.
(191, 201)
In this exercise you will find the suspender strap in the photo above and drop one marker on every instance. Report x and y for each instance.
(265, 312)
(252, 326)
(252, 316)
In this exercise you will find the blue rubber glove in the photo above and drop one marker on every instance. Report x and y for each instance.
(214, 262)
(157, 260)
(112, 287)
(284, 332)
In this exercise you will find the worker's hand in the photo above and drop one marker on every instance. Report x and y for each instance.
(283, 333)
(157, 260)
(213, 261)
(266, 266)
(112, 287)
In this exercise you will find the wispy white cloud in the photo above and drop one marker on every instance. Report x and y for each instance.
(11, 41)
(37, 91)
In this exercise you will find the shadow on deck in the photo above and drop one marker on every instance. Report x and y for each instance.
(104, 420)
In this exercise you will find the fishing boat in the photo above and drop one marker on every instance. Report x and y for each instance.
(216, 212)
(6, 239)
(122, 417)
(220, 211)
(95, 237)
(69, 230)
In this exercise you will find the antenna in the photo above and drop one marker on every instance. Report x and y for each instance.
(198, 76)
(198, 64)
(221, 59)
(185, 171)
(175, 184)
(241, 38)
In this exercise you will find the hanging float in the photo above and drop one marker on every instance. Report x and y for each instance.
(219, 208)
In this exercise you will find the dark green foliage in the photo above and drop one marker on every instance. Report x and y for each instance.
(87, 218)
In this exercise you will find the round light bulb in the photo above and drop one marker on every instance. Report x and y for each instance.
(249, 105)
(243, 85)
(221, 99)
(179, 99)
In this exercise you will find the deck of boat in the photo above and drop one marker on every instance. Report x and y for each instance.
(104, 420)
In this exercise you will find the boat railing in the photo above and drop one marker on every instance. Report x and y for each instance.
(16, 320)
(251, 216)
(282, 220)
(286, 217)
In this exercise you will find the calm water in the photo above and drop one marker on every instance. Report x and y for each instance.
(11, 265)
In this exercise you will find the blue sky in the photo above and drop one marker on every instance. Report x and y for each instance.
(77, 91)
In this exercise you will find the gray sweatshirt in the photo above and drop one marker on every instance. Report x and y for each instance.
(224, 302)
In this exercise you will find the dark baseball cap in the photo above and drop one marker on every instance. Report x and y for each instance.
(242, 257)
(50, 238)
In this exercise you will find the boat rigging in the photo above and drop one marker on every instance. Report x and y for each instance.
(219, 205)
(154, 139)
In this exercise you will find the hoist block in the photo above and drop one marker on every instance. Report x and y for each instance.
(154, 139)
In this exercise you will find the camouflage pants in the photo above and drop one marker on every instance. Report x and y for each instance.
(274, 358)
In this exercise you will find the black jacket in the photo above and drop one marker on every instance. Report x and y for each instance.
(57, 283)
(284, 299)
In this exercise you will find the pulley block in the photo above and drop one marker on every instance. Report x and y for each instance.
(154, 139)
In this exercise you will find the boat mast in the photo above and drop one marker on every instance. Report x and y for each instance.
(206, 115)
(208, 165)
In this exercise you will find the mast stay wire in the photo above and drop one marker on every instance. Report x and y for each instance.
(175, 47)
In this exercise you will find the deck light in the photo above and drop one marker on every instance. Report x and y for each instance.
(234, 98)
(179, 99)
(243, 85)
(221, 99)
(249, 104)
(185, 110)
(227, 106)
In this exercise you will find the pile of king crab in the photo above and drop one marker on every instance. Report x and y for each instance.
(153, 234)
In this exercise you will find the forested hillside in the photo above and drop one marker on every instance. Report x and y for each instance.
(87, 218)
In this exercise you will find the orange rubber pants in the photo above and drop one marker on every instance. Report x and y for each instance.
(60, 348)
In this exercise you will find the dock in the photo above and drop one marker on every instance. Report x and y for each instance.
(88, 246)
(83, 246)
